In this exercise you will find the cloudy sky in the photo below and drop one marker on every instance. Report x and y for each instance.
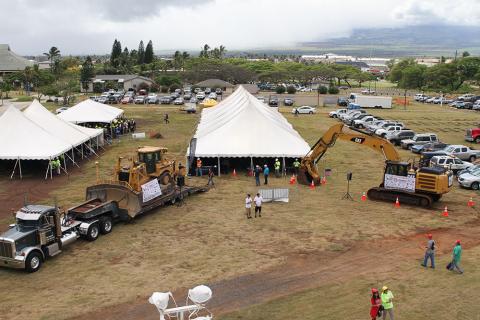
(89, 26)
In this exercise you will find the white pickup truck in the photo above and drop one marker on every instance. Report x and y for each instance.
(462, 152)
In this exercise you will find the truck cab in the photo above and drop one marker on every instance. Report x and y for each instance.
(33, 237)
(473, 135)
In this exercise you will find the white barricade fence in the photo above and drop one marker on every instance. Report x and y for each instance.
(139, 135)
(270, 195)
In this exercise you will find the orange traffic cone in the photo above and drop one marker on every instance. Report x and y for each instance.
(324, 180)
(364, 197)
(397, 203)
(234, 173)
(292, 179)
(312, 185)
(445, 212)
(470, 203)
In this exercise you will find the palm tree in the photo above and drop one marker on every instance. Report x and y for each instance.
(222, 51)
(52, 54)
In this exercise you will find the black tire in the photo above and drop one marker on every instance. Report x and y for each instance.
(472, 159)
(477, 139)
(311, 112)
(33, 262)
(475, 186)
(106, 225)
(334, 116)
(93, 232)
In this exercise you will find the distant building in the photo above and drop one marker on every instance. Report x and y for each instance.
(215, 83)
(11, 62)
(430, 62)
(117, 81)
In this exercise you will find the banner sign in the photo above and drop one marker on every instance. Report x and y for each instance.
(151, 190)
(400, 182)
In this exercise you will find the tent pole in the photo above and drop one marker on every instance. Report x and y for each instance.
(97, 142)
(20, 167)
(72, 160)
(65, 163)
(219, 166)
(51, 169)
(93, 151)
(46, 172)
(73, 156)
(284, 168)
(251, 164)
(82, 150)
(14, 167)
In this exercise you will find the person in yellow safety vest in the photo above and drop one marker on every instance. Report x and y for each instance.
(296, 166)
(199, 167)
(55, 165)
(277, 168)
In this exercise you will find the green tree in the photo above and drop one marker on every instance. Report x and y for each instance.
(116, 53)
(87, 73)
(465, 54)
(280, 89)
(52, 55)
(322, 90)
(141, 53)
(204, 53)
(333, 90)
(149, 52)
(291, 90)
(413, 77)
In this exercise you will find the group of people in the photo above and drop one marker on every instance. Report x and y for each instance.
(258, 201)
(257, 171)
(118, 127)
(431, 247)
(382, 303)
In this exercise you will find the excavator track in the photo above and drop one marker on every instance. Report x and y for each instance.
(415, 199)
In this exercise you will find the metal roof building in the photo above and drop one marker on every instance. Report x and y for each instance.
(11, 62)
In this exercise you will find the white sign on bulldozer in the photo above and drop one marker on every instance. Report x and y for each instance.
(151, 190)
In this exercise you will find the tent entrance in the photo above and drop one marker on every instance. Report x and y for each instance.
(242, 165)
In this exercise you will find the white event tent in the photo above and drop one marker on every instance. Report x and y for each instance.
(74, 135)
(90, 111)
(241, 126)
(23, 139)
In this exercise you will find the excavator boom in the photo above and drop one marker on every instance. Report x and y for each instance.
(308, 168)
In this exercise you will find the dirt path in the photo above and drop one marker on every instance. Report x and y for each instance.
(305, 271)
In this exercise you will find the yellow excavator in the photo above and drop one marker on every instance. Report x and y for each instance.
(419, 187)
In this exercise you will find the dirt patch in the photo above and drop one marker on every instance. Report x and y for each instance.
(303, 271)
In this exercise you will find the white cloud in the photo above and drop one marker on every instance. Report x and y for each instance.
(89, 26)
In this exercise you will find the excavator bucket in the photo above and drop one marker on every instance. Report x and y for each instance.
(306, 179)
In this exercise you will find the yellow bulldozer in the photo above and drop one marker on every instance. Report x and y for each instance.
(151, 163)
(413, 186)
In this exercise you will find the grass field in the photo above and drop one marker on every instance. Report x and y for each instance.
(208, 239)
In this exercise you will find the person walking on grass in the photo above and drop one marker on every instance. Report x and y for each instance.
(266, 172)
(376, 304)
(199, 167)
(387, 302)
(248, 206)
(256, 173)
(258, 205)
(210, 177)
(456, 257)
(430, 252)
(165, 118)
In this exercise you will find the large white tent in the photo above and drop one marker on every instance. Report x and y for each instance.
(71, 133)
(90, 111)
(243, 126)
(23, 139)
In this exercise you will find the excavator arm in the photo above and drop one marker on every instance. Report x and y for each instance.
(308, 170)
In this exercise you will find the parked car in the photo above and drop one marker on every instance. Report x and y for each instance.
(219, 91)
(140, 100)
(273, 101)
(344, 87)
(433, 146)
(304, 110)
(463, 152)
(153, 99)
(396, 137)
(212, 95)
(420, 138)
(165, 100)
(342, 102)
(112, 99)
(187, 96)
(197, 90)
(336, 113)
(419, 96)
(288, 102)
(103, 100)
(466, 97)
(60, 110)
(358, 116)
(193, 100)
(127, 99)
(178, 101)
(362, 123)
(260, 98)
(388, 128)
(189, 107)
(449, 163)
(470, 179)
(200, 96)
(208, 90)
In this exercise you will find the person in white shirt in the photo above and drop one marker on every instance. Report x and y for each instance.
(258, 205)
(248, 206)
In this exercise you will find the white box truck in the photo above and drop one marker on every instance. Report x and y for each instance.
(371, 101)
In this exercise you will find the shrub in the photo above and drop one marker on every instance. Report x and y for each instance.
(280, 90)
(291, 90)
(322, 90)
(174, 87)
(333, 90)
(164, 89)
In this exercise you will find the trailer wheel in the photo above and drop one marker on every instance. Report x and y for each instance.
(93, 232)
(106, 225)
(33, 262)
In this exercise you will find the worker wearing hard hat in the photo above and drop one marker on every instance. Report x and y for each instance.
(387, 302)
(456, 256)
(277, 168)
(296, 166)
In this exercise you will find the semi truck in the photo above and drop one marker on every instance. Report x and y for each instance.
(380, 102)
(41, 232)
